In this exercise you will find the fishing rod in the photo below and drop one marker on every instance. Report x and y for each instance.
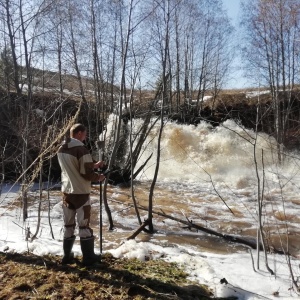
(100, 146)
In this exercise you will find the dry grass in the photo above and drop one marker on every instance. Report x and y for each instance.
(27, 276)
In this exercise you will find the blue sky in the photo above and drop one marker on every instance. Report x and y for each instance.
(233, 10)
(232, 7)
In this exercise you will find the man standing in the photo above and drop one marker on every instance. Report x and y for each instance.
(77, 173)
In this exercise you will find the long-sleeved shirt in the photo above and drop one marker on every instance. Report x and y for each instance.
(77, 172)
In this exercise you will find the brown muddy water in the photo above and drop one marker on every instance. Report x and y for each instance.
(281, 229)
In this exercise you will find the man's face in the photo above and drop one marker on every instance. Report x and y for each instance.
(81, 135)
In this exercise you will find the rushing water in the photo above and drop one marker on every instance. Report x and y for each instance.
(208, 176)
(213, 177)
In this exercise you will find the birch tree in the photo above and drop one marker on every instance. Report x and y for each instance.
(272, 51)
(22, 26)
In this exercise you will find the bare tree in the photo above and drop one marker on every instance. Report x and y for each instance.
(165, 9)
(272, 39)
(10, 16)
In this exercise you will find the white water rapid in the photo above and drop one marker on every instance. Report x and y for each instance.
(205, 169)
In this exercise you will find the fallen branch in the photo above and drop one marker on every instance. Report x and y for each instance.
(248, 242)
(227, 237)
(141, 228)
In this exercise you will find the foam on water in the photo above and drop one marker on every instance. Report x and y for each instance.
(203, 153)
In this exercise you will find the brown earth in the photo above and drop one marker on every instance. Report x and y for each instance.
(27, 276)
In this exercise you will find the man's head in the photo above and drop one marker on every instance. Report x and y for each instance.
(78, 131)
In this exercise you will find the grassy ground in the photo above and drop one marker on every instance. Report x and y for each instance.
(27, 276)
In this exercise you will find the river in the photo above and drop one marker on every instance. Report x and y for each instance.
(213, 177)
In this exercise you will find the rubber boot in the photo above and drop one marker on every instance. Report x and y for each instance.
(68, 254)
(88, 255)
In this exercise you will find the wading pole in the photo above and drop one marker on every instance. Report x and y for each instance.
(100, 218)
(100, 145)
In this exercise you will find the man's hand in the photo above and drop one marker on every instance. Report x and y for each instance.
(99, 165)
